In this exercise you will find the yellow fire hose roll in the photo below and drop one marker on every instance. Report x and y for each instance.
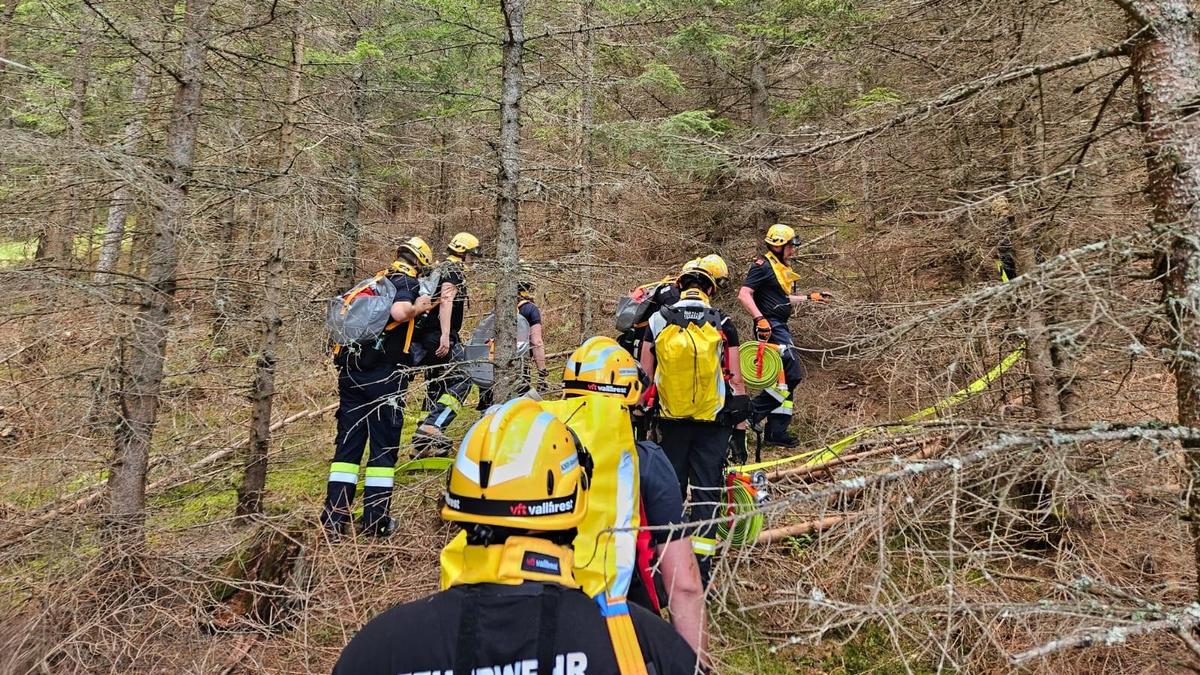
(761, 364)
(742, 507)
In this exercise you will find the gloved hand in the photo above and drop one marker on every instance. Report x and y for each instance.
(736, 410)
(820, 296)
(762, 328)
(738, 454)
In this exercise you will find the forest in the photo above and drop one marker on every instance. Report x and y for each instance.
(999, 426)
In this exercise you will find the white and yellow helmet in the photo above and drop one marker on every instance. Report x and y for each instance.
(519, 467)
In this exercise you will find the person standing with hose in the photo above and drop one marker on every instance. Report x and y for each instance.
(768, 295)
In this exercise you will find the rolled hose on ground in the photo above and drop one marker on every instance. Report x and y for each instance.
(760, 363)
(746, 527)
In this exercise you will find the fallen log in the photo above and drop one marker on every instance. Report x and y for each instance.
(780, 533)
(838, 461)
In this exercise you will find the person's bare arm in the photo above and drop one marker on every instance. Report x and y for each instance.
(746, 297)
(537, 346)
(735, 373)
(405, 311)
(648, 362)
(445, 311)
(685, 593)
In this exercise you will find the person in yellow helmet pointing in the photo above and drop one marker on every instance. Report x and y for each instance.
(768, 294)
(439, 348)
(519, 488)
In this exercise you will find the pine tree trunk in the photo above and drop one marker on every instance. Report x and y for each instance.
(760, 112)
(1044, 385)
(223, 284)
(1166, 72)
(443, 187)
(118, 206)
(584, 225)
(508, 200)
(58, 239)
(147, 340)
(254, 477)
(348, 227)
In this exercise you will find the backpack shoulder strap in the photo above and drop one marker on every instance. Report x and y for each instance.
(673, 315)
(357, 290)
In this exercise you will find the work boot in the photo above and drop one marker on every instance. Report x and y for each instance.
(336, 530)
(380, 528)
(429, 441)
(785, 440)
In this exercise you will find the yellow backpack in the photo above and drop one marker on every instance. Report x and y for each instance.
(605, 558)
(688, 372)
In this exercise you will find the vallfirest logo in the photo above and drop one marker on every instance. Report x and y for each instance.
(542, 509)
(540, 562)
(605, 388)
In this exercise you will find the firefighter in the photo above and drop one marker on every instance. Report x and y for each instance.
(438, 349)
(371, 386)
(519, 489)
(768, 295)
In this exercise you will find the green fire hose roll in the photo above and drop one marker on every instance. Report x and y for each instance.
(759, 376)
(746, 527)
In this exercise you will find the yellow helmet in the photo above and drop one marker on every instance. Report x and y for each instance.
(422, 255)
(715, 266)
(464, 242)
(519, 467)
(781, 235)
(696, 267)
(601, 366)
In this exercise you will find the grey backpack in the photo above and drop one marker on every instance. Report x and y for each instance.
(362, 313)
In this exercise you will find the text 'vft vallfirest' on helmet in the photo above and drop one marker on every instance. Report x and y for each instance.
(464, 242)
(781, 235)
(420, 252)
(601, 366)
(519, 467)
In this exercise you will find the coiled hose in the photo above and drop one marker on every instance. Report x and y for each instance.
(740, 509)
(760, 363)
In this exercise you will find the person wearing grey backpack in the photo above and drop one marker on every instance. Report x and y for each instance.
(372, 326)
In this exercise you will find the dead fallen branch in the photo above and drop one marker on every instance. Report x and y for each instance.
(819, 525)
(1178, 622)
(838, 461)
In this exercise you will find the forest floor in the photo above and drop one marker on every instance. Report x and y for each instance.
(63, 618)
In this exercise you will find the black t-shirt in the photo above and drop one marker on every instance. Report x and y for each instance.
(451, 273)
(666, 294)
(407, 290)
(771, 299)
(660, 491)
(530, 311)
(422, 637)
